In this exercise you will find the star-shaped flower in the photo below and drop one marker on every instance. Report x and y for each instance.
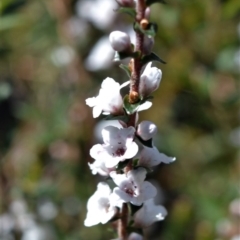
(98, 206)
(131, 187)
(118, 146)
(150, 157)
(109, 99)
(148, 214)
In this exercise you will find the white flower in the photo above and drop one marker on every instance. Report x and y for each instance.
(118, 146)
(132, 187)
(99, 167)
(150, 157)
(109, 100)
(148, 214)
(150, 80)
(98, 206)
(146, 130)
(120, 41)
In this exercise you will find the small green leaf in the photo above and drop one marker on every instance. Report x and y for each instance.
(150, 2)
(130, 108)
(151, 57)
(128, 10)
(135, 162)
(126, 69)
(122, 165)
(124, 118)
(151, 29)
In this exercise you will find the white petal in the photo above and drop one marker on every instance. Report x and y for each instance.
(149, 214)
(150, 157)
(97, 151)
(146, 130)
(148, 190)
(131, 150)
(145, 106)
(123, 196)
(91, 102)
(97, 111)
(138, 175)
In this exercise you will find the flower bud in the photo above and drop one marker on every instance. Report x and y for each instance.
(126, 3)
(147, 13)
(150, 80)
(144, 23)
(146, 130)
(119, 41)
(147, 45)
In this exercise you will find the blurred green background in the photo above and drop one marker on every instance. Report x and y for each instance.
(54, 54)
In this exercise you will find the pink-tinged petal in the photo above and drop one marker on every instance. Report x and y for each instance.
(150, 157)
(123, 196)
(110, 133)
(148, 214)
(137, 176)
(148, 190)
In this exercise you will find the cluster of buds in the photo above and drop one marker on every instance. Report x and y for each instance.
(127, 153)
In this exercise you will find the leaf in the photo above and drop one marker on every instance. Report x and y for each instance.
(147, 143)
(151, 29)
(128, 10)
(122, 165)
(122, 55)
(135, 162)
(150, 2)
(130, 108)
(126, 69)
(123, 118)
(151, 57)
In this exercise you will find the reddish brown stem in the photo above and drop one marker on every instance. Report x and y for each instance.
(136, 65)
(122, 223)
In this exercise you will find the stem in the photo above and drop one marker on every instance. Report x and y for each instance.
(136, 65)
(122, 223)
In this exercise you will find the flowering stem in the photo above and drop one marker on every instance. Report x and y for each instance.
(122, 222)
(136, 64)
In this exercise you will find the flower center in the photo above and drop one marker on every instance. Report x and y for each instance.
(119, 152)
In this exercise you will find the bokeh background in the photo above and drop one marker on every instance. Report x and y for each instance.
(55, 53)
